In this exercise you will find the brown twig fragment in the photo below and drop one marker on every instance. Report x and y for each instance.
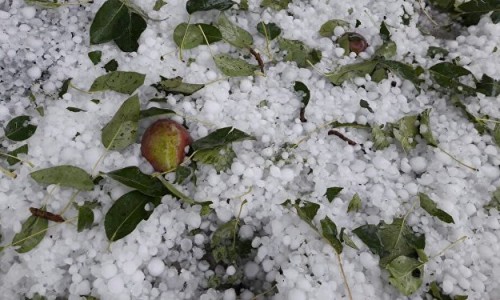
(258, 58)
(342, 137)
(46, 215)
(302, 115)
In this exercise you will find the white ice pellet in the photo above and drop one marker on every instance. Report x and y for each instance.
(116, 284)
(109, 270)
(296, 294)
(156, 266)
(186, 245)
(28, 12)
(251, 269)
(34, 72)
(418, 164)
(287, 174)
(231, 270)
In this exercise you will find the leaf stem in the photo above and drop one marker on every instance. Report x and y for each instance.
(15, 157)
(206, 40)
(458, 161)
(344, 278)
(448, 247)
(8, 173)
(79, 89)
(183, 38)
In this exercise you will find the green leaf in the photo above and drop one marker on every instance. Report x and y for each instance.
(386, 51)
(121, 131)
(332, 192)
(495, 201)
(118, 81)
(19, 129)
(471, 11)
(109, 22)
(234, 67)
(159, 4)
(95, 56)
(269, 30)
(300, 87)
(344, 238)
(19, 150)
(365, 104)
(226, 245)
(328, 28)
(65, 175)
(488, 86)
(182, 173)
(64, 88)
(354, 204)
(233, 34)
(391, 240)
(496, 134)
(127, 41)
(111, 66)
(32, 233)
(447, 76)
(181, 196)
(126, 213)
(188, 36)
(380, 138)
(176, 86)
(430, 206)
(85, 218)
(443, 5)
(385, 34)
(220, 157)
(307, 211)
(402, 70)
(405, 131)
(74, 109)
(406, 274)
(299, 52)
(351, 71)
(275, 4)
(155, 111)
(433, 51)
(221, 137)
(44, 3)
(134, 178)
(436, 293)
(495, 17)
(193, 6)
(425, 128)
(329, 232)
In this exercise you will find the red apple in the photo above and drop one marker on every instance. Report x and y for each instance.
(354, 42)
(163, 144)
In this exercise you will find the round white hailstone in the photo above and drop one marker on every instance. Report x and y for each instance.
(490, 171)
(229, 294)
(199, 239)
(231, 270)
(186, 245)
(367, 260)
(138, 276)
(297, 129)
(129, 267)
(447, 285)
(211, 75)
(34, 72)
(251, 269)
(418, 164)
(246, 232)
(237, 168)
(245, 85)
(83, 288)
(194, 220)
(296, 294)
(287, 174)
(381, 163)
(116, 285)
(349, 117)
(156, 267)
(108, 271)
(339, 52)
(275, 171)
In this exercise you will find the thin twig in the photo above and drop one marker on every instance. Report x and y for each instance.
(8, 173)
(344, 278)
(258, 58)
(342, 137)
(46, 215)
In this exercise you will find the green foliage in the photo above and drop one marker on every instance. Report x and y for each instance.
(126, 213)
(354, 204)
(65, 175)
(226, 246)
(32, 233)
(44, 3)
(121, 131)
(155, 111)
(118, 81)
(115, 21)
(351, 71)
(329, 232)
(495, 201)
(111, 66)
(386, 51)
(436, 293)
(447, 75)
(188, 36)
(234, 67)
(425, 128)
(193, 6)
(19, 129)
(405, 131)
(365, 104)
(488, 86)
(327, 29)
(159, 4)
(398, 247)
(95, 56)
(299, 52)
(430, 206)
(177, 86)
(275, 4)
(85, 216)
(234, 34)
(332, 192)
(220, 158)
(134, 178)
(269, 30)
(381, 137)
(433, 51)
(13, 159)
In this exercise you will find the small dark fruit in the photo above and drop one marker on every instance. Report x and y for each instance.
(354, 42)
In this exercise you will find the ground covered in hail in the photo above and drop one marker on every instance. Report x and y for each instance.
(337, 149)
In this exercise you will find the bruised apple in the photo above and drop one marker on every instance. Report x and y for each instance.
(163, 144)
(353, 42)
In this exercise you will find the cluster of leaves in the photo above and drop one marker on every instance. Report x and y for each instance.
(470, 12)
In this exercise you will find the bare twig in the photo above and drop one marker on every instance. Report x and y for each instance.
(258, 58)
(46, 215)
(342, 137)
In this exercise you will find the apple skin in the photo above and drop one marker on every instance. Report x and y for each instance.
(357, 43)
(163, 144)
